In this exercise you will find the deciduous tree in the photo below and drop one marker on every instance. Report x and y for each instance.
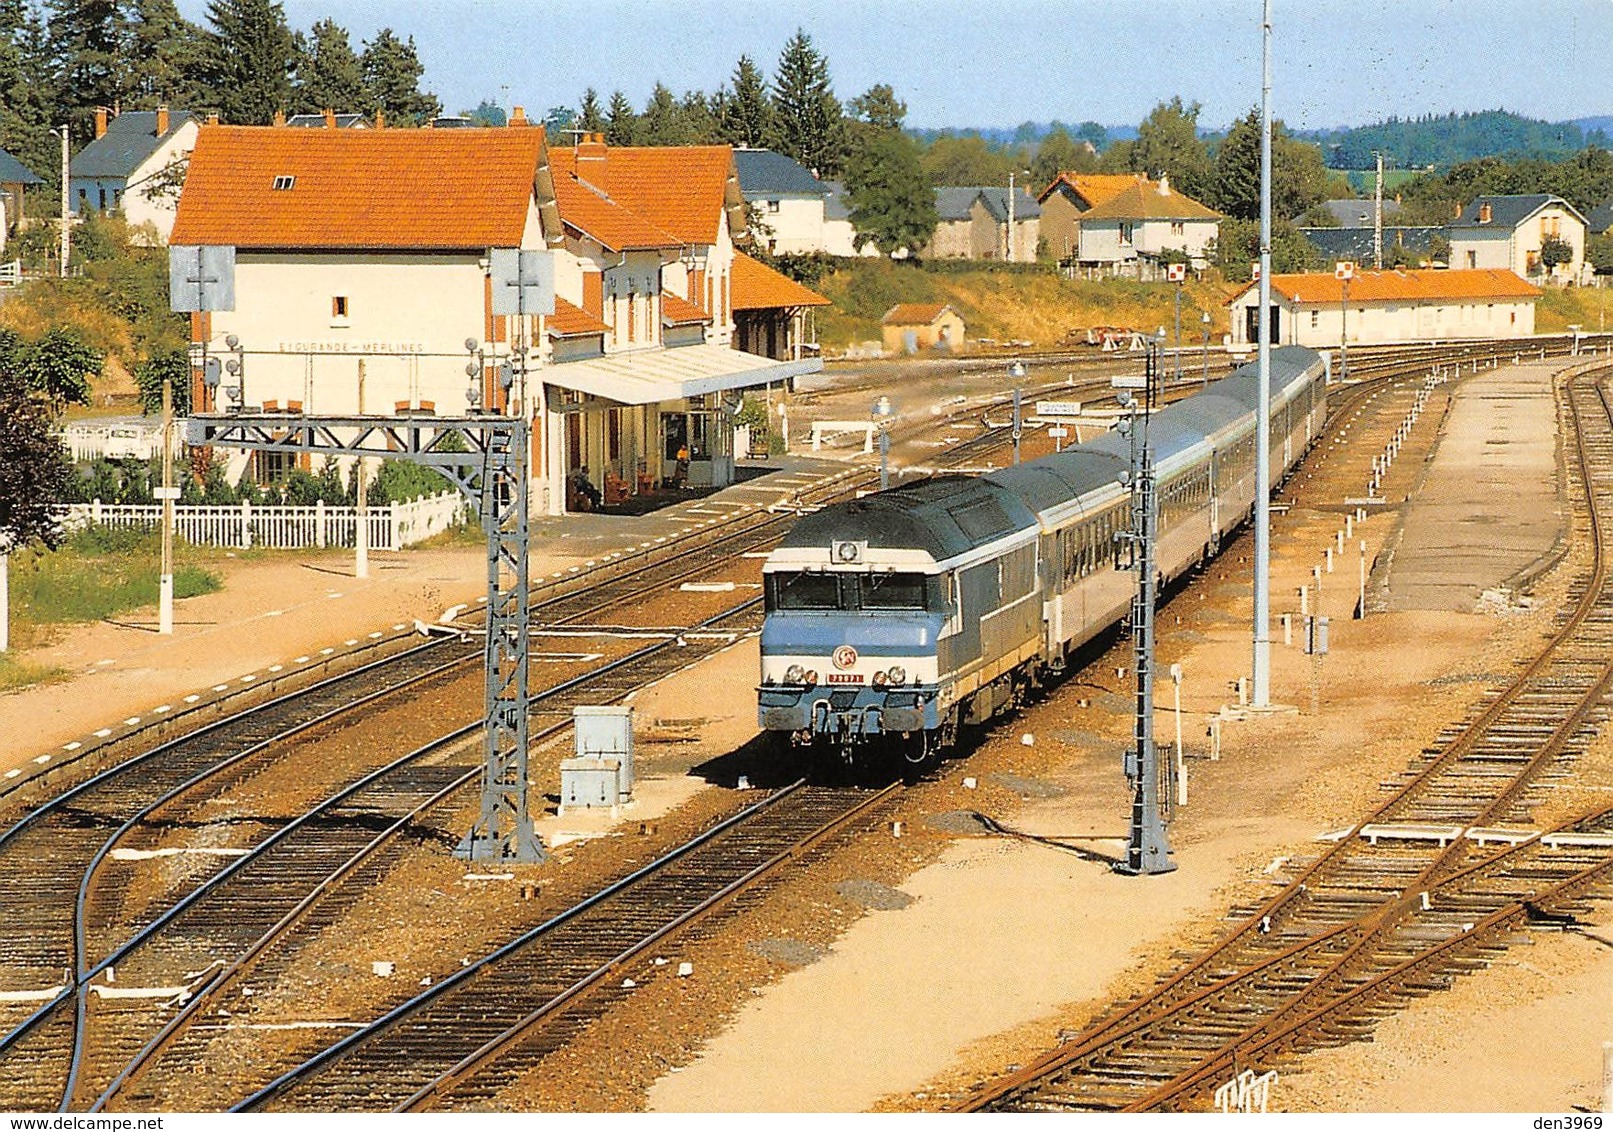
(891, 201)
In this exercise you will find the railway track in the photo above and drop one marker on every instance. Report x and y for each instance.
(469, 1035)
(585, 599)
(1413, 895)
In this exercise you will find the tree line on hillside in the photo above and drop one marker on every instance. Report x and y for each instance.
(1439, 141)
(61, 59)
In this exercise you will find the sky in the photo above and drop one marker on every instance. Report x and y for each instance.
(1003, 62)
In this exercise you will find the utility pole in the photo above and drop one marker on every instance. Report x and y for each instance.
(1008, 246)
(1377, 219)
(1344, 270)
(67, 240)
(1147, 853)
(361, 503)
(168, 492)
(1262, 578)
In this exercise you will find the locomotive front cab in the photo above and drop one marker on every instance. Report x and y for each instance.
(849, 647)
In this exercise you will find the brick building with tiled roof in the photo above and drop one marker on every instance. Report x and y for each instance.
(1131, 231)
(1389, 306)
(910, 327)
(771, 311)
(375, 246)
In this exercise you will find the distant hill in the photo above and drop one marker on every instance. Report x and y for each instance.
(1440, 141)
(1030, 133)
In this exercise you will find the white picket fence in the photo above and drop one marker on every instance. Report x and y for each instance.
(391, 527)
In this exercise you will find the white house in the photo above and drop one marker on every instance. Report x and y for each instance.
(1388, 306)
(363, 262)
(1509, 231)
(786, 201)
(1128, 232)
(136, 164)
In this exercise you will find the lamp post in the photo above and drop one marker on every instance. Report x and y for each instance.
(1344, 270)
(1204, 321)
(1177, 274)
(1016, 370)
(881, 416)
(1262, 563)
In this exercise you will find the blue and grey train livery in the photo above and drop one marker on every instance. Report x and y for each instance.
(909, 613)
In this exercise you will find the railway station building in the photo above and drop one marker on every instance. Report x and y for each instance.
(1388, 306)
(363, 284)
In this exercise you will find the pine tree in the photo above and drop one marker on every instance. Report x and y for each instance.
(621, 122)
(329, 75)
(807, 116)
(87, 38)
(746, 116)
(28, 85)
(168, 55)
(249, 60)
(392, 71)
(590, 115)
(662, 123)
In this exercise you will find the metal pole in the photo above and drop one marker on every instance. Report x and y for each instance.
(1017, 426)
(1344, 333)
(1181, 758)
(1363, 597)
(1148, 852)
(5, 597)
(67, 243)
(1178, 342)
(165, 584)
(1262, 579)
(361, 504)
(1377, 219)
(1205, 378)
(1008, 248)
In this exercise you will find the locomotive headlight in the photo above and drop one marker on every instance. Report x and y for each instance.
(880, 679)
(795, 674)
(811, 678)
(897, 674)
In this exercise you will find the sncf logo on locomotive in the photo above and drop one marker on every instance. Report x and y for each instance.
(845, 657)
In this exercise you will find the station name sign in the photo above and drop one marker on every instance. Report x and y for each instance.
(1058, 408)
(346, 347)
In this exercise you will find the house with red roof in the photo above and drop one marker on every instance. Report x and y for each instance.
(1130, 232)
(371, 249)
(1315, 309)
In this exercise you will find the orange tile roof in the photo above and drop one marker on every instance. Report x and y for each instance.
(570, 321)
(589, 211)
(758, 287)
(1144, 200)
(1423, 285)
(680, 312)
(1095, 188)
(681, 190)
(913, 314)
(468, 188)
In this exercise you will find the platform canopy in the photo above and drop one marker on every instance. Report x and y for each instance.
(649, 376)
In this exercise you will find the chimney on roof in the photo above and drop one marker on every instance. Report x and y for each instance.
(1164, 184)
(591, 152)
(380, 119)
(162, 120)
(280, 117)
(212, 118)
(100, 121)
(1485, 215)
(330, 119)
(518, 116)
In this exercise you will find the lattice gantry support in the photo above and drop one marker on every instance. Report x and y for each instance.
(486, 458)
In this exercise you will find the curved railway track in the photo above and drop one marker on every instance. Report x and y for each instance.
(470, 1034)
(1411, 896)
